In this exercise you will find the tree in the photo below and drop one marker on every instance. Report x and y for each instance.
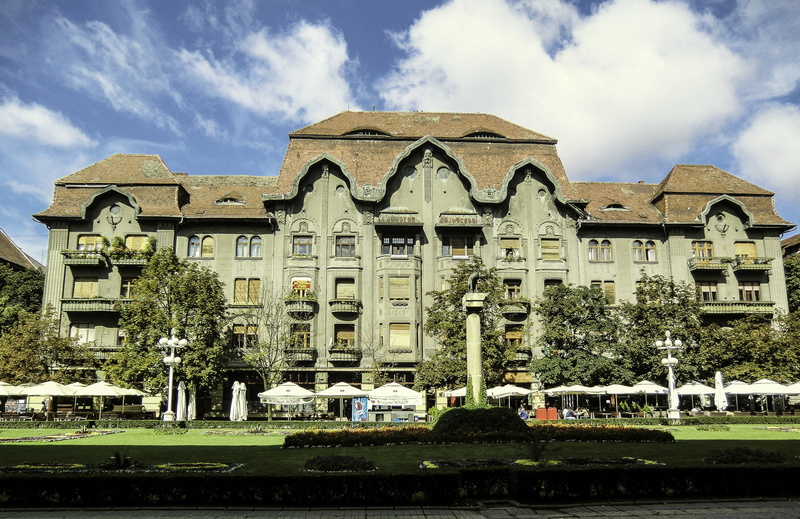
(754, 348)
(662, 304)
(446, 322)
(20, 291)
(180, 298)
(791, 266)
(32, 351)
(578, 338)
(266, 349)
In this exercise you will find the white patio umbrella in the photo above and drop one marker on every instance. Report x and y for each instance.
(508, 390)
(457, 393)
(191, 406)
(234, 412)
(720, 399)
(619, 389)
(651, 388)
(9, 390)
(180, 414)
(101, 389)
(793, 389)
(242, 401)
(395, 394)
(287, 393)
(693, 389)
(341, 390)
(49, 388)
(766, 386)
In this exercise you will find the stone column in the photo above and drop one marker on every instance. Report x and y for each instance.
(473, 304)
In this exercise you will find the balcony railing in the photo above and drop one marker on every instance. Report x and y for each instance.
(515, 307)
(345, 306)
(759, 264)
(93, 304)
(738, 307)
(83, 257)
(709, 263)
(344, 354)
(301, 308)
(524, 355)
(301, 354)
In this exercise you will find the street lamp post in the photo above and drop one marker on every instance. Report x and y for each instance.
(670, 362)
(171, 360)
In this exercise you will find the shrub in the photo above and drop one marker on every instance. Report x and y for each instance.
(339, 464)
(458, 422)
(743, 455)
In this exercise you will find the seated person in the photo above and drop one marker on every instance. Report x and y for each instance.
(581, 413)
(522, 413)
(568, 414)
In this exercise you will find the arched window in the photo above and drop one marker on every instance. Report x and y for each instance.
(605, 251)
(650, 251)
(194, 247)
(207, 248)
(638, 250)
(594, 250)
(255, 247)
(241, 247)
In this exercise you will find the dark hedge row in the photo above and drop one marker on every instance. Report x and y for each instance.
(432, 487)
(419, 434)
(196, 424)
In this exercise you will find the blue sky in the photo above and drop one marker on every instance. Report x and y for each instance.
(628, 87)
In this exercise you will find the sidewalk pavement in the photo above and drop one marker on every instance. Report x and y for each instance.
(717, 509)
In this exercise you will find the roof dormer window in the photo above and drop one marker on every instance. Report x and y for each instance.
(484, 135)
(230, 199)
(616, 206)
(370, 132)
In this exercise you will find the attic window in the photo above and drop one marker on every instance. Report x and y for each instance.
(230, 200)
(614, 207)
(485, 135)
(368, 131)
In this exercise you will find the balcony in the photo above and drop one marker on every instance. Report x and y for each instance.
(345, 306)
(344, 354)
(301, 354)
(94, 304)
(738, 307)
(515, 309)
(89, 258)
(524, 355)
(752, 264)
(709, 264)
(128, 257)
(301, 308)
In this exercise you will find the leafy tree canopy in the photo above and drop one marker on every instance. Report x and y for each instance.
(20, 291)
(446, 322)
(662, 305)
(791, 266)
(32, 351)
(180, 298)
(578, 338)
(754, 348)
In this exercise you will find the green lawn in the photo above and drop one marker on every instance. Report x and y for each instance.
(263, 454)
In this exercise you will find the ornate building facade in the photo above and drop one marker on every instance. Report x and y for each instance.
(371, 210)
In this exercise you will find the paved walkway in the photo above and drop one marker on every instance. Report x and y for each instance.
(719, 509)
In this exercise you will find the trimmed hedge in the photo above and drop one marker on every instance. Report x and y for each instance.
(432, 487)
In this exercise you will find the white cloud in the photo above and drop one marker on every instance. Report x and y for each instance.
(768, 150)
(300, 75)
(634, 81)
(34, 122)
(125, 71)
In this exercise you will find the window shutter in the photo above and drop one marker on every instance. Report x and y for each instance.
(254, 291)
(744, 249)
(399, 336)
(551, 249)
(608, 291)
(345, 289)
(398, 288)
(240, 290)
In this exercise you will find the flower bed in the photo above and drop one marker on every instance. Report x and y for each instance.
(495, 462)
(60, 437)
(58, 468)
